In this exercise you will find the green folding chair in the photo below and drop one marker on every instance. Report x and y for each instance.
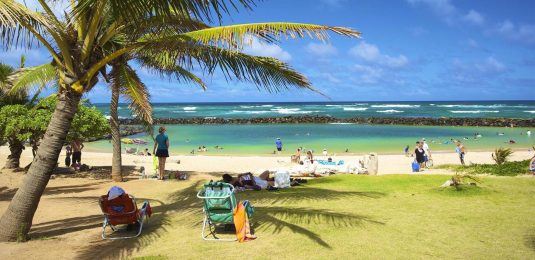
(219, 203)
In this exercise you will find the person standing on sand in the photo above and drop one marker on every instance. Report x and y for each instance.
(77, 147)
(278, 144)
(427, 152)
(461, 151)
(162, 143)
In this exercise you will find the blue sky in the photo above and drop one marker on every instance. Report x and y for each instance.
(410, 50)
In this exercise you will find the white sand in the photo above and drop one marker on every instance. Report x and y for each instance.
(388, 163)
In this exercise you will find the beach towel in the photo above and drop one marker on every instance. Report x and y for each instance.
(241, 223)
(282, 179)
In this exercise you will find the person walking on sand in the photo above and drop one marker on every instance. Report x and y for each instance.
(278, 144)
(77, 147)
(427, 152)
(162, 151)
(419, 154)
(460, 151)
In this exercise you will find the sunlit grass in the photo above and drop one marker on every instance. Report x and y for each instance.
(348, 217)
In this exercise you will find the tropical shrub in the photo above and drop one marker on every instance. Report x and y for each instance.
(501, 155)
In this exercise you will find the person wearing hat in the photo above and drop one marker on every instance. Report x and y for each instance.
(278, 144)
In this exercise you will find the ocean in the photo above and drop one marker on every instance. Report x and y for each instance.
(336, 138)
(488, 109)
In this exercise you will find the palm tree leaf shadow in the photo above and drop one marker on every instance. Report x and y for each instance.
(298, 194)
(183, 201)
(275, 217)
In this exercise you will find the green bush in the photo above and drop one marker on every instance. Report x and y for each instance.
(506, 169)
(501, 155)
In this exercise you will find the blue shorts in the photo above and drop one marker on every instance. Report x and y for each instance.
(162, 153)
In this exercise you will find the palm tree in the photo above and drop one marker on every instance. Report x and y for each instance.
(78, 44)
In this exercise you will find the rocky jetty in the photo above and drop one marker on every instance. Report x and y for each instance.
(424, 121)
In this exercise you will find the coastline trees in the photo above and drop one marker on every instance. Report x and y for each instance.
(79, 43)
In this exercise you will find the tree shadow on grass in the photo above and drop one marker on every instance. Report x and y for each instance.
(278, 218)
(304, 193)
(183, 202)
(7, 194)
(188, 207)
(530, 239)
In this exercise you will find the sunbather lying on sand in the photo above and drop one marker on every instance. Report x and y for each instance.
(249, 181)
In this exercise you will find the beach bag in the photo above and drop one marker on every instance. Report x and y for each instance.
(415, 166)
(282, 179)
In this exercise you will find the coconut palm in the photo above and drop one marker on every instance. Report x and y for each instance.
(79, 45)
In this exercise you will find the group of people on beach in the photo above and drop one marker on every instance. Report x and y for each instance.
(74, 154)
(422, 153)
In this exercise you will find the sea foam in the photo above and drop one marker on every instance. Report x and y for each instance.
(396, 105)
(473, 111)
(355, 108)
(390, 111)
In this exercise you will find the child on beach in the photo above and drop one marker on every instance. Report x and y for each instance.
(77, 147)
(162, 143)
(68, 155)
(278, 144)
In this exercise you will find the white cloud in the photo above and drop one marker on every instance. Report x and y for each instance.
(490, 65)
(472, 43)
(372, 54)
(258, 48)
(440, 7)
(524, 33)
(368, 74)
(333, 3)
(474, 17)
(448, 13)
(365, 51)
(320, 49)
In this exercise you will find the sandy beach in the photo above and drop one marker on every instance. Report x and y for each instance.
(388, 163)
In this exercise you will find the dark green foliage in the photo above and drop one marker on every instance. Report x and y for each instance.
(29, 124)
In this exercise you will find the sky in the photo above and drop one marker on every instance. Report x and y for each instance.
(410, 50)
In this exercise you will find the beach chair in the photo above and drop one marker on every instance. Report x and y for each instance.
(219, 204)
(123, 211)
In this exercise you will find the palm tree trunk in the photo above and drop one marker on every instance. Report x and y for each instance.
(116, 161)
(17, 219)
(13, 159)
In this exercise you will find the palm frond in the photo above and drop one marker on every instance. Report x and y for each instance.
(168, 68)
(136, 9)
(33, 77)
(237, 36)
(5, 71)
(131, 87)
(21, 26)
(265, 72)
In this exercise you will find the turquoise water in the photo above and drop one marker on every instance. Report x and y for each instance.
(336, 138)
(486, 109)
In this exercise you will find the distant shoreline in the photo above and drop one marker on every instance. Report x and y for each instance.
(414, 121)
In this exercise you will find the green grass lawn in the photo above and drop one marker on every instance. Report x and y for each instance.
(343, 217)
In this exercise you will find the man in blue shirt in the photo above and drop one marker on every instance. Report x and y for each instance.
(278, 143)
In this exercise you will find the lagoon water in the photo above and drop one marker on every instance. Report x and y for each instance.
(336, 138)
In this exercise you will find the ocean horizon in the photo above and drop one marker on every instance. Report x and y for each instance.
(524, 109)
